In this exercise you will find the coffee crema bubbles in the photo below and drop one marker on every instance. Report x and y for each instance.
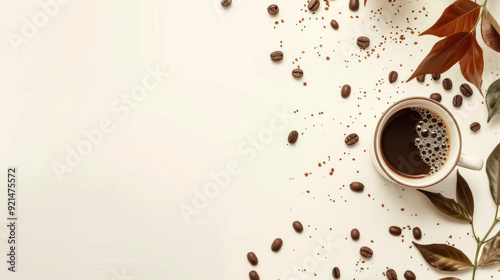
(433, 141)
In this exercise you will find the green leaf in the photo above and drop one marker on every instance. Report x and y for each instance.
(493, 99)
(464, 195)
(492, 169)
(448, 206)
(491, 252)
(444, 257)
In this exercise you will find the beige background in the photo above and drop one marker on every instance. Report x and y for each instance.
(116, 214)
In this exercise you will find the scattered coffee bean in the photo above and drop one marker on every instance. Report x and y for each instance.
(391, 274)
(353, 5)
(355, 234)
(366, 252)
(447, 84)
(409, 275)
(421, 78)
(313, 5)
(254, 275)
(346, 91)
(395, 230)
(252, 258)
(357, 187)
(363, 42)
(457, 100)
(393, 76)
(466, 90)
(475, 126)
(226, 3)
(334, 24)
(277, 56)
(277, 243)
(297, 226)
(292, 136)
(417, 233)
(436, 77)
(336, 273)
(273, 9)
(297, 73)
(351, 139)
(436, 96)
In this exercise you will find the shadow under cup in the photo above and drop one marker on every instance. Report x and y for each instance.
(455, 142)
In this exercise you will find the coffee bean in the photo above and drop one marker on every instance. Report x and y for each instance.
(334, 24)
(226, 3)
(355, 234)
(393, 76)
(436, 77)
(457, 100)
(292, 136)
(421, 78)
(391, 274)
(313, 5)
(363, 42)
(252, 258)
(447, 84)
(409, 275)
(353, 5)
(297, 73)
(436, 96)
(273, 9)
(351, 139)
(466, 90)
(395, 230)
(297, 226)
(475, 126)
(357, 187)
(277, 243)
(336, 273)
(277, 56)
(417, 233)
(366, 252)
(346, 91)
(254, 275)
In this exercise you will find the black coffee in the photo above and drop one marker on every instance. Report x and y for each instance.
(415, 142)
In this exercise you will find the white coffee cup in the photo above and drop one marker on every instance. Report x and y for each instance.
(455, 157)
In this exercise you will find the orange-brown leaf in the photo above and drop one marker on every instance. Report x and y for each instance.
(490, 31)
(461, 16)
(444, 54)
(365, 2)
(472, 64)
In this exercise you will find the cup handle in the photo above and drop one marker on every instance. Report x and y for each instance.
(470, 162)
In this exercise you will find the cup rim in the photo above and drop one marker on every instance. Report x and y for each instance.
(379, 161)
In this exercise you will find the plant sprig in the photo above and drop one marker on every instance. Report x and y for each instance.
(447, 258)
(457, 25)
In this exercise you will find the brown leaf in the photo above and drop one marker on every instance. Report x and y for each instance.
(490, 31)
(365, 2)
(461, 16)
(464, 195)
(491, 252)
(444, 54)
(444, 257)
(493, 171)
(448, 206)
(472, 64)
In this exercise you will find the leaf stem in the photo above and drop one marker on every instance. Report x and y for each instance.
(481, 242)
(483, 7)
